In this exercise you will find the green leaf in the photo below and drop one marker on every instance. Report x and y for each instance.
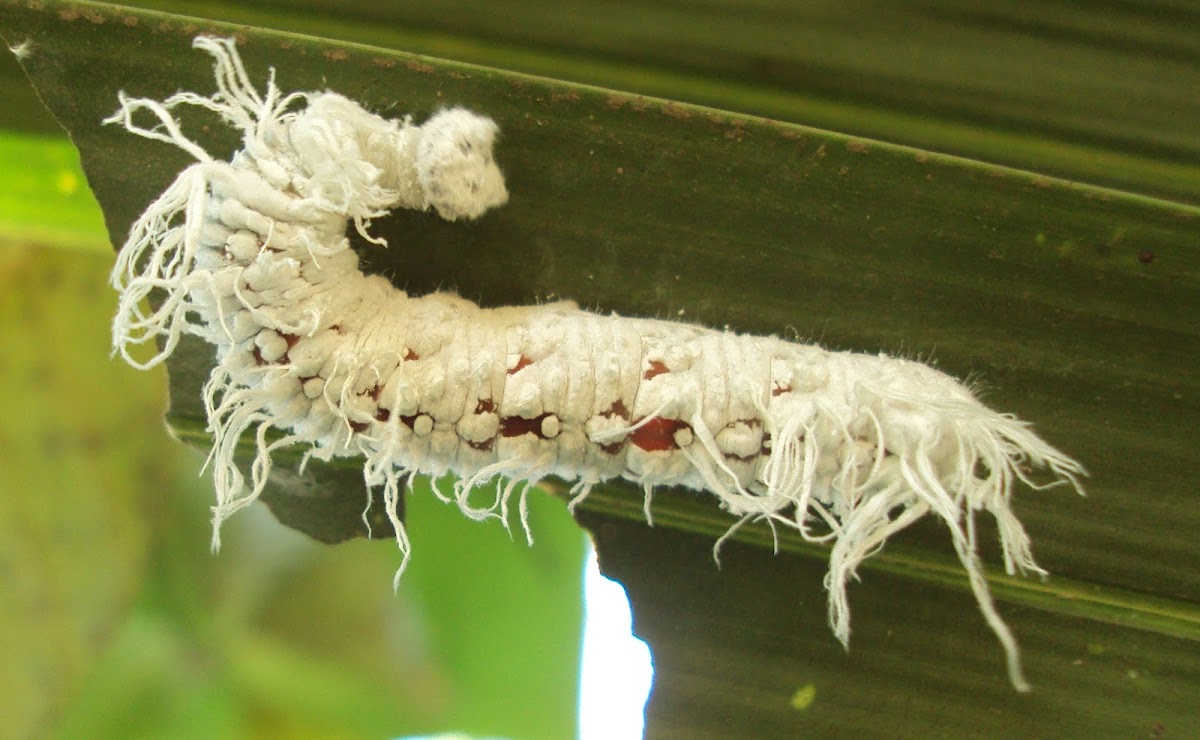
(1075, 303)
(745, 651)
(73, 525)
(653, 208)
(1097, 94)
(281, 636)
(45, 198)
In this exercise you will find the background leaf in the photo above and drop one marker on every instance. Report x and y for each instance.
(73, 519)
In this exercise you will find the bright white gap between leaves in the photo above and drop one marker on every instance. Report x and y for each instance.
(616, 673)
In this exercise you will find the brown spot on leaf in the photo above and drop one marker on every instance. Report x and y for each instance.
(676, 111)
(413, 65)
(336, 55)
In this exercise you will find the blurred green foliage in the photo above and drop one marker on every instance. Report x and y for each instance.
(115, 619)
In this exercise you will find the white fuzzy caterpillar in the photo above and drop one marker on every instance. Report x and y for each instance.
(252, 256)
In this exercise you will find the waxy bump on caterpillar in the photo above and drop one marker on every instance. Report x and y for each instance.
(252, 255)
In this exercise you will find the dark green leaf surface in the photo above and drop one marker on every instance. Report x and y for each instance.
(744, 651)
(1076, 305)
(1098, 92)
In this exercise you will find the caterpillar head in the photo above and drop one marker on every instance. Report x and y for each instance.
(345, 155)
(455, 167)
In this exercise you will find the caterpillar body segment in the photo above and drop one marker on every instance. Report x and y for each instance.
(252, 256)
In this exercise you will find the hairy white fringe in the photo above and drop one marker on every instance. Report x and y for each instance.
(252, 256)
